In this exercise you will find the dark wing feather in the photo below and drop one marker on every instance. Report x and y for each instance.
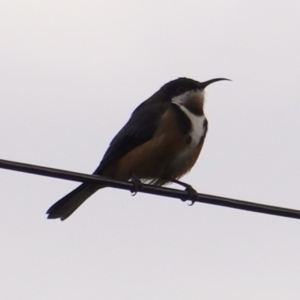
(139, 129)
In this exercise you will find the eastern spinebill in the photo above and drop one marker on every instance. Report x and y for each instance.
(160, 143)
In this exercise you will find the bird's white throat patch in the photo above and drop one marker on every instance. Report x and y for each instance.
(197, 121)
(198, 129)
(181, 99)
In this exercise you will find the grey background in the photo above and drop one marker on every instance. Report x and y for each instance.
(71, 72)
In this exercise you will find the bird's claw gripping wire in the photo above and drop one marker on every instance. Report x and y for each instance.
(192, 193)
(137, 185)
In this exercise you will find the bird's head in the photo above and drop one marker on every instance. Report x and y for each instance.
(186, 92)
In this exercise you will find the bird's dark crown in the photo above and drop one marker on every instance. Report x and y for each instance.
(177, 87)
(180, 86)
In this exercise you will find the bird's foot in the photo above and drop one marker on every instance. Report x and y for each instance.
(137, 185)
(191, 192)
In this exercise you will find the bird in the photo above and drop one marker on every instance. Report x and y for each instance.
(159, 144)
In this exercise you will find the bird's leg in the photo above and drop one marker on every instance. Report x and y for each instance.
(192, 193)
(137, 184)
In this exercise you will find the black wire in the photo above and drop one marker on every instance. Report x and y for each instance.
(150, 189)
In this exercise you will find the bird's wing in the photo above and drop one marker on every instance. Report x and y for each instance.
(139, 129)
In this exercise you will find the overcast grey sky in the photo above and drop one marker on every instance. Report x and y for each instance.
(71, 72)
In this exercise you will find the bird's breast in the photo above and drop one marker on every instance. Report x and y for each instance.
(182, 134)
(197, 135)
(198, 127)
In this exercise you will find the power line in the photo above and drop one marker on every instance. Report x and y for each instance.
(150, 189)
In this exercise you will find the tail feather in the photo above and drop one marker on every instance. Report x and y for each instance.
(64, 207)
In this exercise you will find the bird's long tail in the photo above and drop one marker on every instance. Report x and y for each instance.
(64, 207)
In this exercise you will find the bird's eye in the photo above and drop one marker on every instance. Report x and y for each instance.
(180, 90)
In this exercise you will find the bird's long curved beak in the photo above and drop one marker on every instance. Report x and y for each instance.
(204, 84)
